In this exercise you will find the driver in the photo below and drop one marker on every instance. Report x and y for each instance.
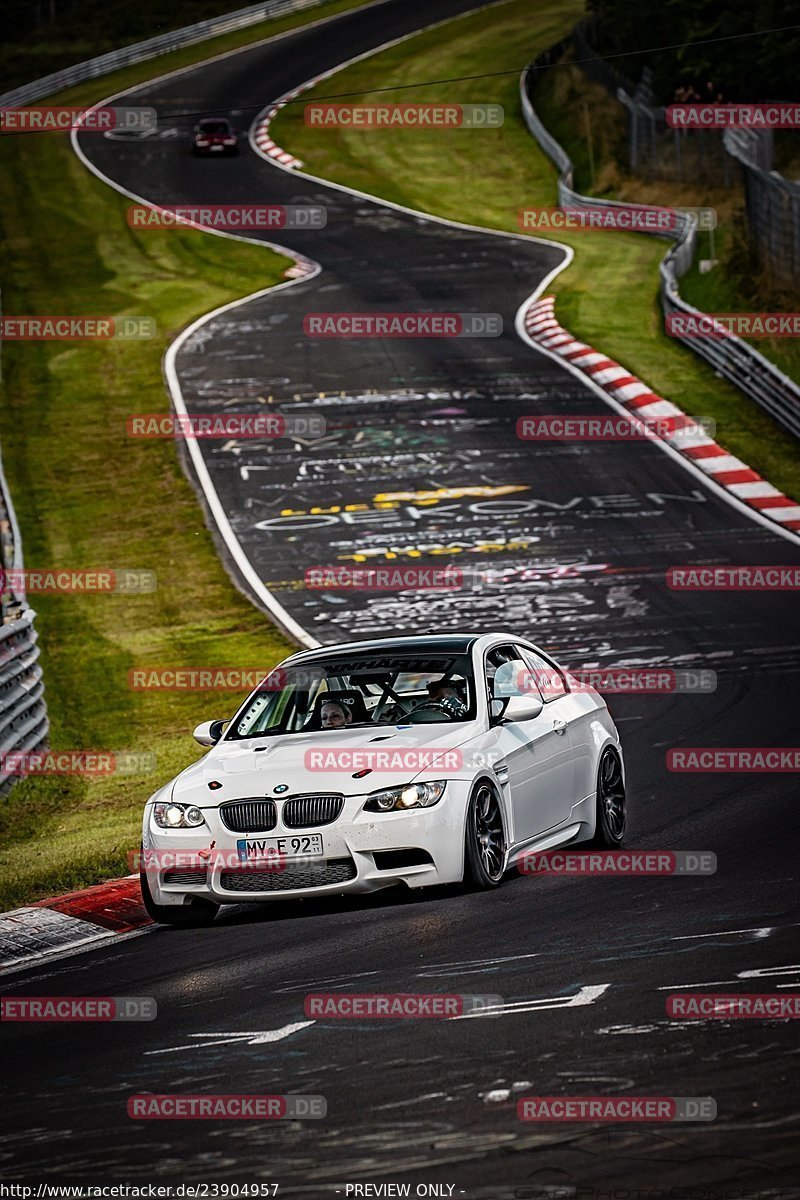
(447, 694)
(335, 715)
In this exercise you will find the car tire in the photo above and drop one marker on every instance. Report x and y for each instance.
(484, 842)
(611, 809)
(196, 912)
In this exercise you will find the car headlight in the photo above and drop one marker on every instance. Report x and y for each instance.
(177, 816)
(412, 795)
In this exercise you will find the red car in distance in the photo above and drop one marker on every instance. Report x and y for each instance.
(214, 135)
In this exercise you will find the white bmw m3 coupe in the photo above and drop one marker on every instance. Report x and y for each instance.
(421, 760)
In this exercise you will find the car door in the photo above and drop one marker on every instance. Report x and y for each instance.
(575, 708)
(536, 753)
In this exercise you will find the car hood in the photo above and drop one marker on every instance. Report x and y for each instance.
(318, 762)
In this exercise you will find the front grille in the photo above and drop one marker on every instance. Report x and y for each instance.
(304, 811)
(306, 875)
(249, 816)
(186, 877)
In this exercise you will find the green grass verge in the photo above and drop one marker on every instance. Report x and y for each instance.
(87, 495)
(609, 295)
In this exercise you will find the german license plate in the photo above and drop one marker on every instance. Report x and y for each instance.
(307, 845)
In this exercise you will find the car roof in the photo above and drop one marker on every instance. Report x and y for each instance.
(429, 643)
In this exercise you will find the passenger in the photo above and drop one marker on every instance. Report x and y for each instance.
(335, 715)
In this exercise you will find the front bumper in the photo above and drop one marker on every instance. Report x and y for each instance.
(218, 151)
(362, 852)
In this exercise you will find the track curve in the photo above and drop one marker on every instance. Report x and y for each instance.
(421, 438)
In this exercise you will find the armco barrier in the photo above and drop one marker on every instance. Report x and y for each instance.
(731, 357)
(23, 714)
(93, 68)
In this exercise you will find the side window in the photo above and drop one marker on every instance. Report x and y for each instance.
(548, 677)
(508, 674)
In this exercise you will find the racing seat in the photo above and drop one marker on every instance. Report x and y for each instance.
(351, 700)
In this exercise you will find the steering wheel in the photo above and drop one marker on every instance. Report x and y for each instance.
(435, 706)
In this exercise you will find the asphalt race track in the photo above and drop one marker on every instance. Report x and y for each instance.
(420, 440)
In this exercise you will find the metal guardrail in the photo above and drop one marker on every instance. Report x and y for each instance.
(23, 715)
(732, 358)
(126, 56)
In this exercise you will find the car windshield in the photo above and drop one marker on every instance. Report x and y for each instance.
(214, 127)
(362, 691)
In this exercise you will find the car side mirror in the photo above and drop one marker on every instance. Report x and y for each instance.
(517, 708)
(209, 732)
